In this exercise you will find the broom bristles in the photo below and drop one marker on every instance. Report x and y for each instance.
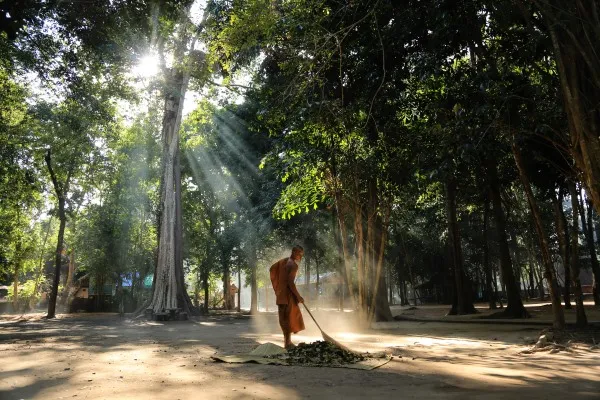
(335, 342)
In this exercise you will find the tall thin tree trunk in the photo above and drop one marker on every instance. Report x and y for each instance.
(514, 306)
(581, 319)
(463, 299)
(266, 298)
(40, 270)
(535, 267)
(120, 294)
(360, 260)
(557, 311)
(379, 307)
(380, 304)
(337, 226)
(341, 225)
(496, 288)
(253, 279)
(206, 291)
(574, 28)
(588, 233)
(317, 297)
(226, 282)
(390, 289)
(589, 229)
(197, 287)
(17, 271)
(307, 268)
(239, 293)
(517, 262)
(61, 192)
(531, 281)
(563, 241)
(360, 267)
(487, 266)
(68, 282)
(524, 288)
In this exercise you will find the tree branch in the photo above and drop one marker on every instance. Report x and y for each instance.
(55, 182)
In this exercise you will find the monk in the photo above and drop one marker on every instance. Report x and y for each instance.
(283, 274)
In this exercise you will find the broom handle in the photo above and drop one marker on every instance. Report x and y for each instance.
(313, 318)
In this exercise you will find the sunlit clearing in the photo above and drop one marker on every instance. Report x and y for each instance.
(146, 67)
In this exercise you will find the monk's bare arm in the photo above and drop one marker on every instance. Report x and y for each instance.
(292, 268)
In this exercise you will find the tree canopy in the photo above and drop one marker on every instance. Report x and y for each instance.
(425, 150)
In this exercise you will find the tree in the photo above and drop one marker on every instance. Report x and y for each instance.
(558, 314)
(173, 22)
(70, 135)
(572, 26)
(574, 245)
(19, 182)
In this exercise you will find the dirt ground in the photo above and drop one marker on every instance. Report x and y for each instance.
(102, 356)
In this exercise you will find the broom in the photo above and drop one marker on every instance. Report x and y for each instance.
(326, 337)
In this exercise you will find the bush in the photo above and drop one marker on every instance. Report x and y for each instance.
(27, 296)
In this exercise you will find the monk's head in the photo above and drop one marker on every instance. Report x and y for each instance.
(297, 253)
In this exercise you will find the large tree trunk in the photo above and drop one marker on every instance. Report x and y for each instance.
(379, 307)
(575, 28)
(563, 242)
(170, 291)
(581, 319)
(514, 306)
(463, 302)
(557, 311)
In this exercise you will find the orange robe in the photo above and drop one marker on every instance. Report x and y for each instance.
(283, 274)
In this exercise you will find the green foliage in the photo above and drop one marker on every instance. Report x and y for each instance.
(28, 292)
(19, 188)
(118, 236)
(365, 109)
(303, 195)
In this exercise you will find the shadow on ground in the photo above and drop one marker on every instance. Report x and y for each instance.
(108, 357)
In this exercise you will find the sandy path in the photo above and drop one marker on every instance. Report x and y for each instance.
(104, 357)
